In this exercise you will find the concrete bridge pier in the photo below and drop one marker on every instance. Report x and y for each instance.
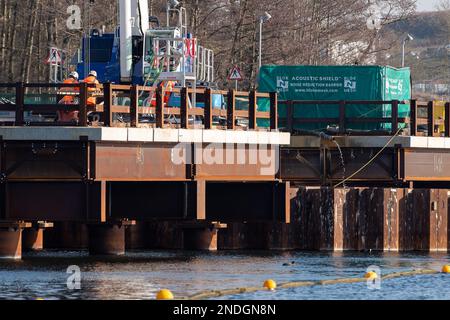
(107, 238)
(11, 240)
(201, 236)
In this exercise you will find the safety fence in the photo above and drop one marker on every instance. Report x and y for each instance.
(430, 118)
(133, 106)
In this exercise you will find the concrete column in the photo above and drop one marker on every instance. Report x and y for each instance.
(106, 239)
(204, 239)
(10, 243)
(33, 239)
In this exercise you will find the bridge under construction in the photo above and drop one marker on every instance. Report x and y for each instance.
(157, 157)
(109, 184)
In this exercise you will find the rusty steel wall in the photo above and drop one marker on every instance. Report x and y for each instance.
(165, 235)
(137, 162)
(393, 205)
(51, 201)
(259, 236)
(429, 212)
(237, 164)
(394, 167)
(426, 165)
(67, 235)
(29, 161)
(372, 219)
(324, 166)
(98, 181)
(250, 201)
(84, 181)
(152, 200)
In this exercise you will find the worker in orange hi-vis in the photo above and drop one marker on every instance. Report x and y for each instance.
(69, 116)
(92, 79)
(170, 85)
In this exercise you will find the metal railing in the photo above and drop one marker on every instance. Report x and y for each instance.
(20, 107)
(159, 109)
(423, 119)
(342, 121)
(428, 119)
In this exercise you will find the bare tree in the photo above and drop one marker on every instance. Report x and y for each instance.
(301, 31)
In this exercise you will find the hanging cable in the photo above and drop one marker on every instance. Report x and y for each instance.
(370, 161)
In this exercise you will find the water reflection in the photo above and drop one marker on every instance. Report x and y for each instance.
(139, 275)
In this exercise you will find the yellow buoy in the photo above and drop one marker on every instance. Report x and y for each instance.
(270, 284)
(164, 295)
(446, 269)
(371, 275)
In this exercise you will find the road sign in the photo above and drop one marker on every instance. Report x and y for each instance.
(54, 57)
(235, 74)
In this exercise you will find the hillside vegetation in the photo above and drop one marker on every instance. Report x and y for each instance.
(428, 54)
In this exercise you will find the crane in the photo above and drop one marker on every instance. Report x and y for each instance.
(143, 52)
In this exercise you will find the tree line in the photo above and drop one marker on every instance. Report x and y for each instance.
(300, 31)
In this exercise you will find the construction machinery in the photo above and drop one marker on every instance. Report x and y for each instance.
(141, 51)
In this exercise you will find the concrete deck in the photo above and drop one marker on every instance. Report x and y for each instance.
(145, 135)
(374, 142)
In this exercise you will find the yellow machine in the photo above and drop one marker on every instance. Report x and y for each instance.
(439, 113)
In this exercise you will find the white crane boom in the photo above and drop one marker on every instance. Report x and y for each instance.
(134, 21)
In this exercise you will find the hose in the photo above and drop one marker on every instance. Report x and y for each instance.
(321, 134)
(370, 161)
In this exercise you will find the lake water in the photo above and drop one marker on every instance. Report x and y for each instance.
(139, 275)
